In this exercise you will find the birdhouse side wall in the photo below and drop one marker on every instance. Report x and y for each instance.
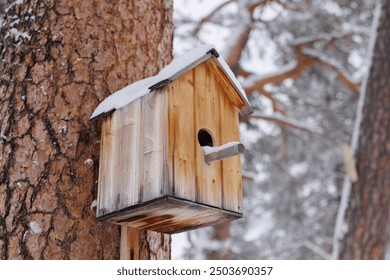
(198, 101)
(133, 148)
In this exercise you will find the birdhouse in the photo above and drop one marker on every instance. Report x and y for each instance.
(169, 147)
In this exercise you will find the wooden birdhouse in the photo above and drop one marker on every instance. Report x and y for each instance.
(169, 146)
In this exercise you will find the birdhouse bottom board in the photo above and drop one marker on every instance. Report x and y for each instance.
(170, 214)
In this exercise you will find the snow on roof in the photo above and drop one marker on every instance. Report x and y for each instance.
(172, 71)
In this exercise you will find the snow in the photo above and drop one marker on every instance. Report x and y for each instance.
(180, 245)
(232, 77)
(35, 227)
(284, 69)
(298, 169)
(269, 12)
(140, 88)
(259, 227)
(3, 137)
(88, 161)
(93, 204)
(209, 150)
(16, 34)
(16, 2)
(242, 24)
(124, 96)
(288, 121)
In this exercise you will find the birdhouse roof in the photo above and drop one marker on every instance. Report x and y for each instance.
(171, 72)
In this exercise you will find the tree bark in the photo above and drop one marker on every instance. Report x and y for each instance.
(368, 212)
(59, 59)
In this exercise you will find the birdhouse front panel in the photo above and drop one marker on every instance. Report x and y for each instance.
(167, 156)
(200, 113)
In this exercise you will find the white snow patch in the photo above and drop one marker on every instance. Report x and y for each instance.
(251, 80)
(249, 136)
(242, 23)
(180, 245)
(94, 203)
(124, 96)
(88, 161)
(35, 227)
(259, 227)
(16, 2)
(2, 136)
(43, 91)
(269, 12)
(209, 150)
(299, 169)
(16, 34)
(63, 129)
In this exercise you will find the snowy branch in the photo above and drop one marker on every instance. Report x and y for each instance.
(284, 121)
(210, 16)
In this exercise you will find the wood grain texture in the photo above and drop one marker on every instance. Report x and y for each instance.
(231, 167)
(111, 184)
(226, 84)
(182, 137)
(154, 133)
(144, 245)
(132, 154)
(208, 177)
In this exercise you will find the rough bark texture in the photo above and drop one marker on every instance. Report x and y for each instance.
(71, 56)
(369, 204)
(144, 245)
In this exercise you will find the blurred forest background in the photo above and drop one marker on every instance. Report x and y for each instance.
(301, 64)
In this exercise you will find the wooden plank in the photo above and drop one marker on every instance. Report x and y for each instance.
(231, 167)
(208, 177)
(132, 154)
(129, 246)
(230, 90)
(100, 209)
(109, 184)
(106, 167)
(115, 151)
(154, 114)
(182, 137)
(171, 138)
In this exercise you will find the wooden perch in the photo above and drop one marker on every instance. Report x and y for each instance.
(227, 150)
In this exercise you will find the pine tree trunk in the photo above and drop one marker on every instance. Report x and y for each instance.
(368, 212)
(59, 59)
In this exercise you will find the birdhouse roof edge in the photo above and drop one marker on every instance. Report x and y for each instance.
(169, 73)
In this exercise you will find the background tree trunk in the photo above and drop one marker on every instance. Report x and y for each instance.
(368, 212)
(59, 59)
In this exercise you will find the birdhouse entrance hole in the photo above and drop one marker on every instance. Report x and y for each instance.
(205, 138)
